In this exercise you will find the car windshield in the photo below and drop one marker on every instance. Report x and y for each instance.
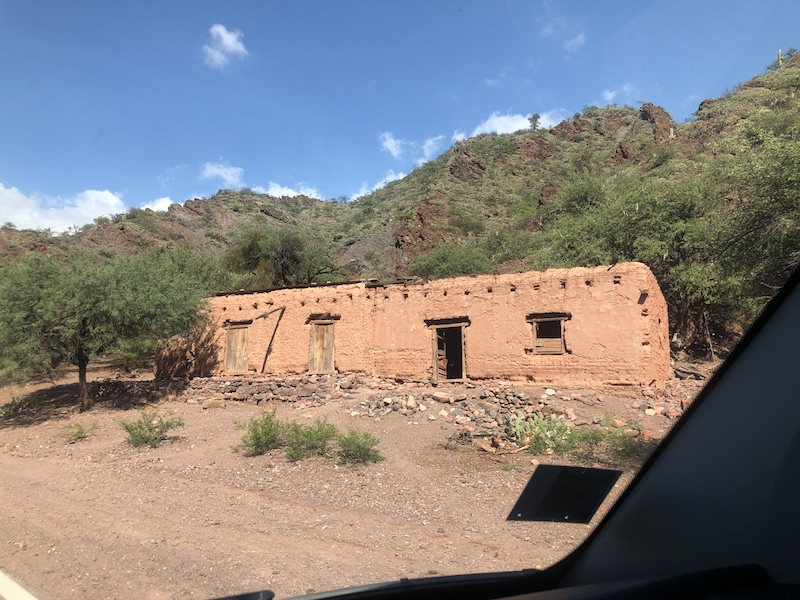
(297, 296)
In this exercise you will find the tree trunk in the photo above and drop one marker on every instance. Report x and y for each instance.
(82, 360)
(86, 402)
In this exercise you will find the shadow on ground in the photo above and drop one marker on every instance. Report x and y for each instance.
(61, 401)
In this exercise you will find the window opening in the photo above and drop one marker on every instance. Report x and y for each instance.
(548, 332)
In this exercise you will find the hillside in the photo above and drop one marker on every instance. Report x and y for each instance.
(692, 200)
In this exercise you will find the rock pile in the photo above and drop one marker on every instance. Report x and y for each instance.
(481, 408)
(311, 390)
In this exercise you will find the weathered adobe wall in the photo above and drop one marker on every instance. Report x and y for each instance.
(617, 334)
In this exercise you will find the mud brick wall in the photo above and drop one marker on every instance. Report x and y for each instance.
(614, 323)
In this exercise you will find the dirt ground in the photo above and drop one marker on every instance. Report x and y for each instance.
(195, 519)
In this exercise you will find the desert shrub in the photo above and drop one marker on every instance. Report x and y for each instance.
(358, 448)
(603, 444)
(552, 435)
(263, 434)
(540, 434)
(468, 224)
(303, 441)
(150, 429)
(75, 432)
(450, 259)
(267, 433)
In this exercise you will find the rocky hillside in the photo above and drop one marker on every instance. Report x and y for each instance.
(609, 184)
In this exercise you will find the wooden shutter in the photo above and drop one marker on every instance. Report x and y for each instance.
(548, 336)
(549, 346)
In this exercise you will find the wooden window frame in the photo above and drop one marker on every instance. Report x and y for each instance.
(547, 346)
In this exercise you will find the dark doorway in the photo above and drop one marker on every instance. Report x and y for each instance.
(449, 359)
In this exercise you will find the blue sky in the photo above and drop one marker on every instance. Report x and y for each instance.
(109, 105)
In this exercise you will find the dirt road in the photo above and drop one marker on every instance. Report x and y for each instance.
(195, 519)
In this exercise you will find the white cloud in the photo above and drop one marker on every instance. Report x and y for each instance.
(57, 214)
(391, 144)
(430, 147)
(574, 43)
(390, 176)
(497, 123)
(231, 176)
(404, 149)
(625, 93)
(281, 191)
(551, 118)
(159, 204)
(559, 29)
(502, 76)
(365, 189)
(223, 46)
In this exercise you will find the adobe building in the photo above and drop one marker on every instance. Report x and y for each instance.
(598, 325)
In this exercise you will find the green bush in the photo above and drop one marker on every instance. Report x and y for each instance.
(264, 433)
(551, 435)
(358, 448)
(540, 434)
(267, 433)
(603, 445)
(150, 429)
(451, 259)
(304, 442)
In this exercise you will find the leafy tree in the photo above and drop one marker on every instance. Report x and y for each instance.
(75, 307)
(758, 235)
(450, 259)
(661, 222)
(279, 256)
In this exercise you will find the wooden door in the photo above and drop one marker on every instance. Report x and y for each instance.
(321, 359)
(236, 350)
(440, 360)
(448, 353)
